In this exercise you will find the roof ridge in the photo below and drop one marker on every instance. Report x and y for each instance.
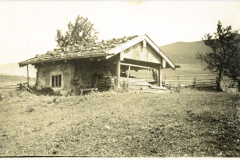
(119, 38)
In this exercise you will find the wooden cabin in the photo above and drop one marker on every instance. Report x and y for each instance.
(97, 65)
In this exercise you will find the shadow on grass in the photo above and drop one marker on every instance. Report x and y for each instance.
(225, 127)
(45, 91)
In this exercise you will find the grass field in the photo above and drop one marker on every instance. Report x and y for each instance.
(187, 69)
(183, 123)
(6, 80)
(188, 123)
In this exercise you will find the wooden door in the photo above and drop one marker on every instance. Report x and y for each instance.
(95, 80)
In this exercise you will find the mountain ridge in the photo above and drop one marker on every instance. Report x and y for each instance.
(185, 52)
(178, 52)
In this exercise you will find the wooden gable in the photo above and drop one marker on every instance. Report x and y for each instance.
(150, 53)
(139, 52)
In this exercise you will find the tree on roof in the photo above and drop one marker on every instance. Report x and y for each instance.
(224, 60)
(80, 32)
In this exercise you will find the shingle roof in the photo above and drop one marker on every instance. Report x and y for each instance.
(97, 49)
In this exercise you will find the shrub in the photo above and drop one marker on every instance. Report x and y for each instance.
(124, 87)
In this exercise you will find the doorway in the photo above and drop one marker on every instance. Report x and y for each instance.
(95, 80)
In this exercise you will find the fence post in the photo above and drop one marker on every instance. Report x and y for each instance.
(238, 85)
(178, 84)
(217, 84)
(194, 82)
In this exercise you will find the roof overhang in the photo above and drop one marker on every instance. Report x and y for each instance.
(24, 63)
(136, 40)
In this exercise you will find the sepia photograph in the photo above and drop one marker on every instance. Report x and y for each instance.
(120, 79)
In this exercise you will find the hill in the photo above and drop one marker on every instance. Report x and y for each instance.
(185, 52)
(14, 69)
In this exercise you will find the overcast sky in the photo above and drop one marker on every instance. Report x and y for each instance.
(29, 28)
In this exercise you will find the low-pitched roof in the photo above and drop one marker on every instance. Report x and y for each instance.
(99, 49)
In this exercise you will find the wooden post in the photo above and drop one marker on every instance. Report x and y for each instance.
(27, 75)
(145, 49)
(164, 63)
(118, 67)
(147, 74)
(178, 84)
(165, 80)
(122, 56)
(160, 75)
(129, 67)
(194, 83)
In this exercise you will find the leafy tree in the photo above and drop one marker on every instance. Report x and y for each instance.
(224, 58)
(81, 32)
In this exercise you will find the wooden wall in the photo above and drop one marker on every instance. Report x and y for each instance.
(139, 53)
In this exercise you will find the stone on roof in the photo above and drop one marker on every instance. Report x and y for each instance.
(78, 50)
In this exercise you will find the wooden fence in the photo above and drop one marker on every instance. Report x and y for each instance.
(229, 85)
(195, 81)
(199, 81)
(22, 86)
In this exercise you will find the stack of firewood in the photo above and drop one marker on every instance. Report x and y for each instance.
(104, 83)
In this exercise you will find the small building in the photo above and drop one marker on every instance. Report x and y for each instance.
(97, 65)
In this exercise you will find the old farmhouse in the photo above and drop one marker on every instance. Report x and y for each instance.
(97, 65)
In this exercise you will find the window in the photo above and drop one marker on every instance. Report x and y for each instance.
(57, 81)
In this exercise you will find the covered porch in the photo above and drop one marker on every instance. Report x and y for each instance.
(125, 66)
